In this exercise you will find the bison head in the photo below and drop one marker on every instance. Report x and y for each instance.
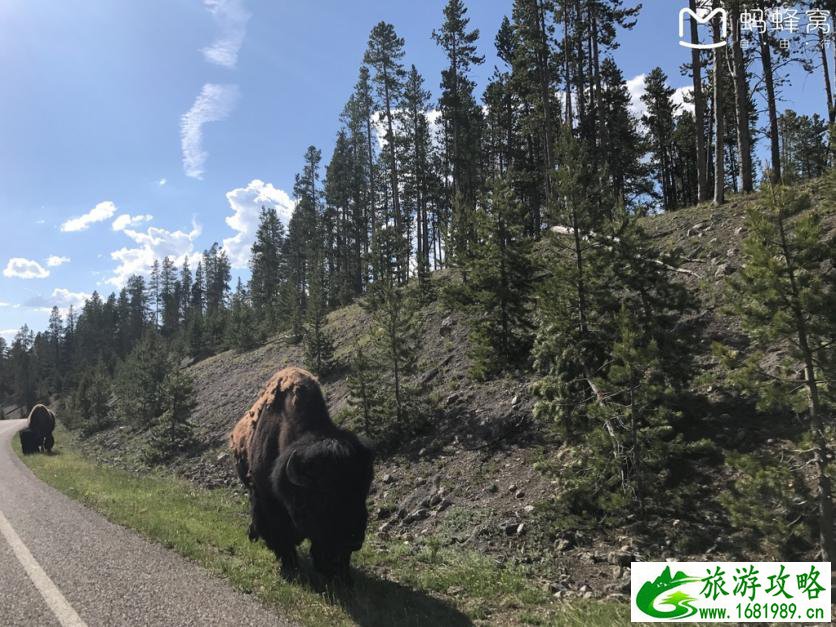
(324, 484)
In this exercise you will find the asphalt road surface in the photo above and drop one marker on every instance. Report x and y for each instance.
(63, 564)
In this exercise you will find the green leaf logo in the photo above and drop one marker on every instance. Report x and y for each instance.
(679, 601)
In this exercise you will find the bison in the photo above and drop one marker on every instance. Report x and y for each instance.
(307, 478)
(28, 441)
(41, 425)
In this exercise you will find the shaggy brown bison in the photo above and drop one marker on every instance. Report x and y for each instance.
(41, 425)
(307, 478)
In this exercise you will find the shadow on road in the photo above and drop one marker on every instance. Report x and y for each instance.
(373, 602)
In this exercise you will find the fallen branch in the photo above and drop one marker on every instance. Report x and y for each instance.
(565, 230)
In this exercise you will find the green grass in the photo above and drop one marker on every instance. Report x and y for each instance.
(396, 583)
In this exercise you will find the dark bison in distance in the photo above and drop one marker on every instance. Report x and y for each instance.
(37, 436)
(307, 478)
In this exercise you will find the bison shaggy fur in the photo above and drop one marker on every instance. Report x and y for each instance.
(28, 441)
(307, 478)
(42, 424)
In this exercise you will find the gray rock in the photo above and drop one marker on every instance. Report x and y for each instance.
(447, 325)
(419, 514)
(509, 527)
(620, 558)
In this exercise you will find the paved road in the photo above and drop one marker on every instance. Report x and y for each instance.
(62, 564)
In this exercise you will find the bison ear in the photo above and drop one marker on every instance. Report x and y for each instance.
(294, 468)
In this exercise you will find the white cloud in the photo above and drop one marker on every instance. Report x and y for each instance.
(246, 203)
(101, 212)
(21, 268)
(8, 334)
(679, 98)
(379, 126)
(231, 18)
(61, 298)
(154, 243)
(636, 88)
(41, 221)
(54, 260)
(162, 182)
(214, 103)
(126, 220)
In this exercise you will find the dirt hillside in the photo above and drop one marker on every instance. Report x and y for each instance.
(473, 478)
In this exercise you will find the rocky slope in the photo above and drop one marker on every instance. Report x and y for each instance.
(472, 478)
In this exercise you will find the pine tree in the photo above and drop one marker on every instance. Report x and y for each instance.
(623, 159)
(55, 330)
(268, 268)
(168, 293)
(497, 292)
(154, 291)
(786, 303)
(415, 168)
(804, 146)
(139, 379)
(185, 304)
(319, 348)
(460, 117)
(383, 55)
(173, 431)
(659, 119)
(392, 348)
(242, 320)
(534, 80)
(303, 238)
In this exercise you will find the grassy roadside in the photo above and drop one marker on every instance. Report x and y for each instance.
(395, 584)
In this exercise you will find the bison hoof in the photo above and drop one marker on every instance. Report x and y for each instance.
(289, 573)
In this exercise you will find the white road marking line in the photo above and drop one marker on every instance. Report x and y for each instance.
(63, 611)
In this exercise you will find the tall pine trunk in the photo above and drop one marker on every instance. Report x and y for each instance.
(741, 96)
(703, 193)
(769, 81)
(719, 125)
(822, 448)
(828, 88)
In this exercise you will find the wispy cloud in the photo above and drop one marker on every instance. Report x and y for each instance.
(162, 182)
(214, 103)
(54, 260)
(246, 203)
(20, 268)
(231, 17)
(126, 220)
(60, 297)
(154, 243)
(101, 212)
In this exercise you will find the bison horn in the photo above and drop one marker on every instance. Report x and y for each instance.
(293, 471)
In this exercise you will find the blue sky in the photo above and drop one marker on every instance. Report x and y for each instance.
(142, 128)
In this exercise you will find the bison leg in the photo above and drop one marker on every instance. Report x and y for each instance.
(252, 532)
(272, 523)
(49, 442)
